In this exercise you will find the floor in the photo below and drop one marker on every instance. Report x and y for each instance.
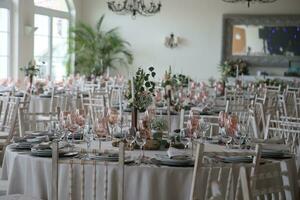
(3, 186)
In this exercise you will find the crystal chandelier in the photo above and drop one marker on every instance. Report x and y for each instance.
(250, 1)
(134, 7)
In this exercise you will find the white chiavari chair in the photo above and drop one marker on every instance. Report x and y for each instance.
(274, 88)
(72, 164)
(115, 97)
(269, 182)
(90, 87)
(291, 104)
(38, 121)
(261, 96)
(97, 104)
(212, 120)
(8, 125)
(284, 102)
(259, 117)
(286, 130)
(293, 89)
(217, 173)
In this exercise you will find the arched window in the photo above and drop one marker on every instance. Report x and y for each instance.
(52, 19)
(5, 30)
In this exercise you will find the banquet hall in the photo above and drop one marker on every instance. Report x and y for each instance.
(149, 99)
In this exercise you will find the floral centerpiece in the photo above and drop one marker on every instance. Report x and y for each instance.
(31, 70)
(175, 80)
(143, 89)
(229, 68)
(39, 86)
(140, 92)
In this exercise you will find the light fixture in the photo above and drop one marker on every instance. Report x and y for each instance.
(250, 1)
(134, 7)
(171, 41)
(29, 29)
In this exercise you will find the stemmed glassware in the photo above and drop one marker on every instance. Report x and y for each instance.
(185, 139)
(130, 138)
(204, 126)
(113, 116)
(141, 141)
(88, 136)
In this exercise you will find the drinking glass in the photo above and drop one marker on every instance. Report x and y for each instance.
(130, 138)
(141, 141)
(88, 137)
(204, 126)
(185, 139)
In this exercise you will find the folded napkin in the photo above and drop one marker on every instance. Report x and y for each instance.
(177, 154)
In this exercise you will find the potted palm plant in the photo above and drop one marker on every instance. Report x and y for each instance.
(97, 50)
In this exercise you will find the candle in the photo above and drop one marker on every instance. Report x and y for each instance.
(242, 80)
(132, 88)
(120, 101)
(181, 118)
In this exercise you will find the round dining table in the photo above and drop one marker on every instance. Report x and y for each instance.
(31, 175)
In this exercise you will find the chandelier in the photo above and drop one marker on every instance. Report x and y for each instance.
(250, 1)
(134, 7)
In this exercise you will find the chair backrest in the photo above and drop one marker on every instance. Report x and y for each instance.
(218, 169)
(10, 116)
(270, 182)
(33, 121)
(211, 119)
(97, 104)
(273, 88)
(73, 165)
(291, 103)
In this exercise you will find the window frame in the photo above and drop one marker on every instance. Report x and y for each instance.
(7, 4)
(51, 13)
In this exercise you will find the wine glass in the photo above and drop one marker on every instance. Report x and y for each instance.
(185, 139)
(130, 138)
(141, 141)
(204, 126)
(88, 137)
(113, 116)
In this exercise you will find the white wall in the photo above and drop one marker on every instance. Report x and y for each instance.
(198, 22)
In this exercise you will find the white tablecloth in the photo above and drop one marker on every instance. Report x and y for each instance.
(32, 176)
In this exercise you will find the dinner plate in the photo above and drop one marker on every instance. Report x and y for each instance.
(165, 160)
(235, 159)
(41, 152)
(21, 146)
(48, 153)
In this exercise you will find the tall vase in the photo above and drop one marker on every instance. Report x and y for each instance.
(30, 84)
(134, 118)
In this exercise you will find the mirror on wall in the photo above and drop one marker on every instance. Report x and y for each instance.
(261, 40)
(266, 40)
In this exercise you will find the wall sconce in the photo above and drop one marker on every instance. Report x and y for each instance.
(29, 30)
(171, 41)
